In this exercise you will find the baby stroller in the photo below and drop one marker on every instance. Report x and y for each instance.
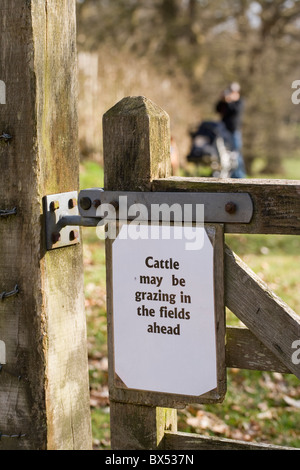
(211, 145)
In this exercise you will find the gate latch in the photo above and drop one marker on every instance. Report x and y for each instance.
(65, 213)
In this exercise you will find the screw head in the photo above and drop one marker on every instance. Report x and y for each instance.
(230, 207)
(96, 203)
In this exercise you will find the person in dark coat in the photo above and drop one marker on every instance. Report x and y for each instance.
(231, 107)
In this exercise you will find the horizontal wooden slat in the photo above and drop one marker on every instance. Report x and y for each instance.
(245, 351)
(189, 441)
(273, 322)
(276, 203)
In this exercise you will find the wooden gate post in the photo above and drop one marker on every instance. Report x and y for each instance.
(44, 394)
(136, 143)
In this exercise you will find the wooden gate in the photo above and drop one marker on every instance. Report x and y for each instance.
(136, 158)
(44, 396)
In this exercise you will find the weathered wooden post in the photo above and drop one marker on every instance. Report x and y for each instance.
(136, 142)
(44, 395)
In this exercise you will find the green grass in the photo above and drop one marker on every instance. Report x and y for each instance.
(91, 175)
(292, 168)
(259, 406)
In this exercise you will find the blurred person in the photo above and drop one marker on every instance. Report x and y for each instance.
(231, 107)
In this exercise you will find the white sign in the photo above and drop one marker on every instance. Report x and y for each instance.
(163, 311)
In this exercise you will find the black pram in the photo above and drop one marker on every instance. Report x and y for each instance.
(211, 145)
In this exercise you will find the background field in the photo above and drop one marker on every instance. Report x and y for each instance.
(259, 406)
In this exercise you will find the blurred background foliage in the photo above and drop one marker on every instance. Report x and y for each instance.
(182, 54)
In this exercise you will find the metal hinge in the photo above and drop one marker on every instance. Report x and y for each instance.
(65, 213)
(57, 206)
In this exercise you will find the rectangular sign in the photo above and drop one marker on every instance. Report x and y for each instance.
(168, 328)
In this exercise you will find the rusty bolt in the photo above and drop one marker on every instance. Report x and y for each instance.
(74, 234)
(96, 203)
(72, 203)
(55, 237)
(230, 207)
(54, 205)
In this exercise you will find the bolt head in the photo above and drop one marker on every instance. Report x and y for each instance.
(96, 203)
(230, 207)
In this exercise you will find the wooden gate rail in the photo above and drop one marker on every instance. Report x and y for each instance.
(266, 315)
(245, 351)
(276, 203)
(190, 441)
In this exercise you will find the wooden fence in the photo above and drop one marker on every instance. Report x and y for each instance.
(136, 158)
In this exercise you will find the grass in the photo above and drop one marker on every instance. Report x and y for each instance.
(259, 406)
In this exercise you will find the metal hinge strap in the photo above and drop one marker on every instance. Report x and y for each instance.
(65, 213)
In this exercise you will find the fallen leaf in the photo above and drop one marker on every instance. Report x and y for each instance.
(291, 401)
(205, 420)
